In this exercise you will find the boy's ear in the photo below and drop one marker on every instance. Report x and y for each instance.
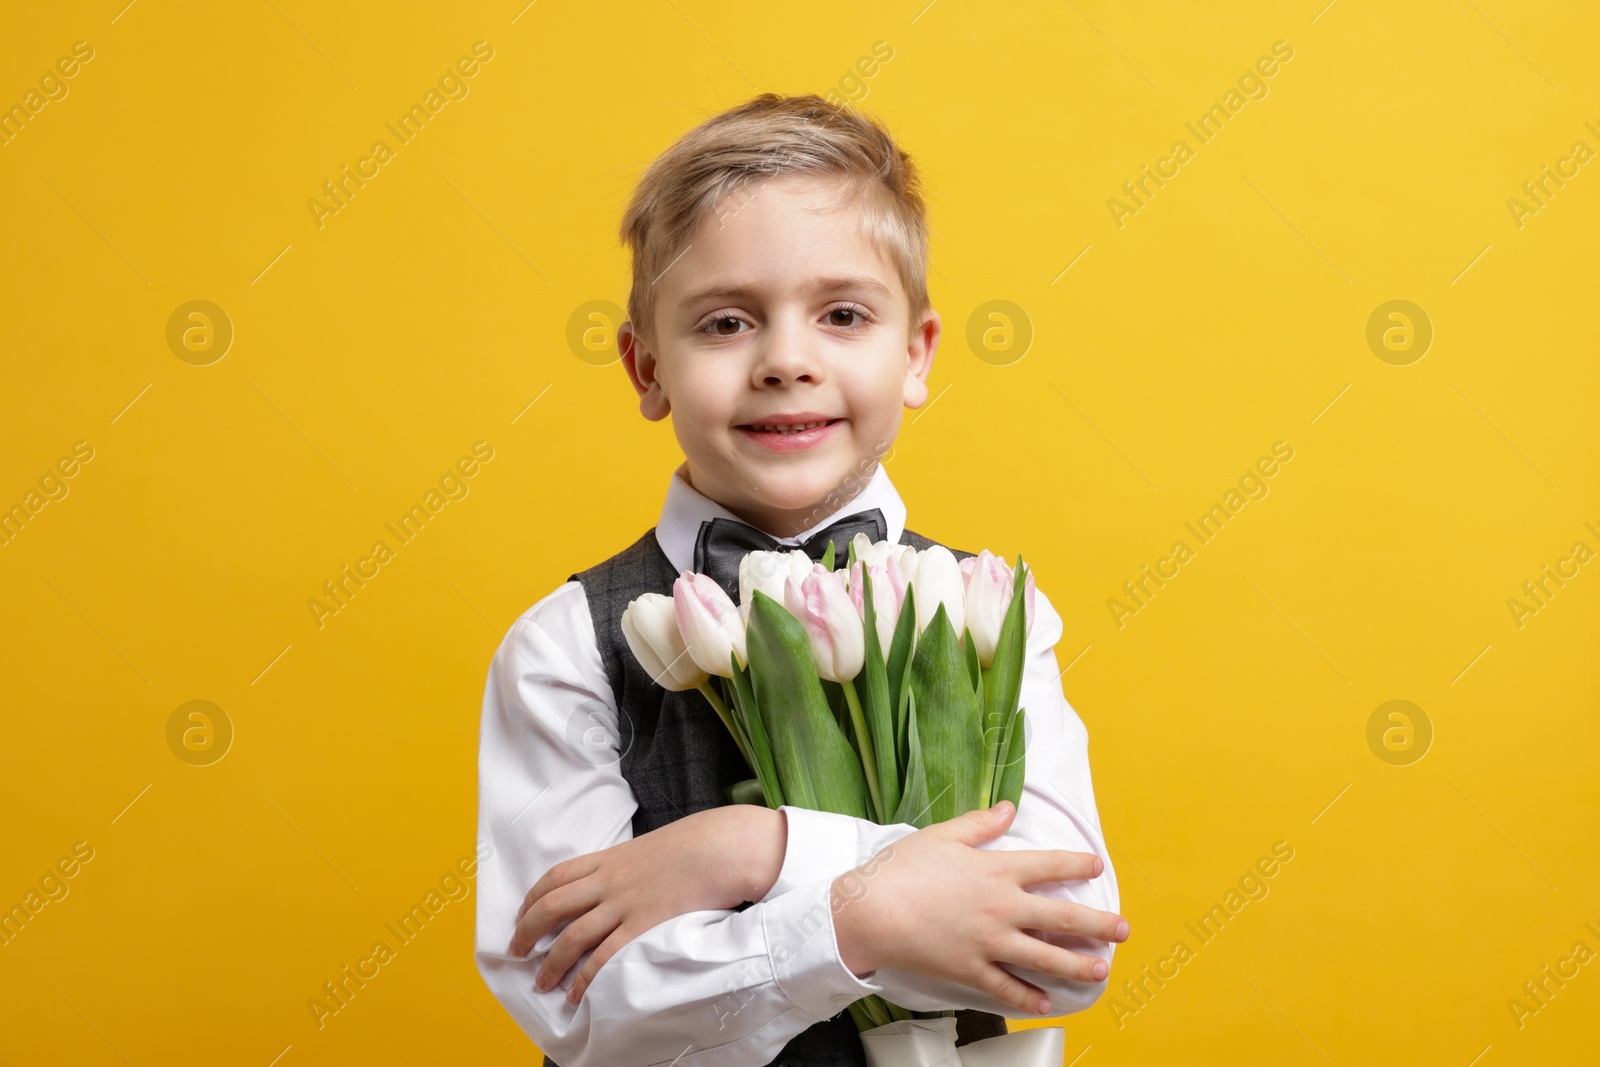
(920, 350)
(641, 365)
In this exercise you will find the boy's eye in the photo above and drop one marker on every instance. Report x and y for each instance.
(717, 326)
(847, 312)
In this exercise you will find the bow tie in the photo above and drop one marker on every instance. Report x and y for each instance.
(722, 543)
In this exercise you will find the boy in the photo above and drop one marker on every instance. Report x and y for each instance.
(779, 314)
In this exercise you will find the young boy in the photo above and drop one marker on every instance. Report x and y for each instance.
(631, 915)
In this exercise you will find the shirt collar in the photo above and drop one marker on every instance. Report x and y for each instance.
(686, 508)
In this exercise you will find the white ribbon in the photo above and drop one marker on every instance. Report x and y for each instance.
(932, 1043)
(913, 1043)
(1042, 1047)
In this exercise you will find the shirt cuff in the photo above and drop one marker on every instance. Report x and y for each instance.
(804, 951)
(827, 843)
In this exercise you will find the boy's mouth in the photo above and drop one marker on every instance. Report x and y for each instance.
(785, 426)
(790, 433)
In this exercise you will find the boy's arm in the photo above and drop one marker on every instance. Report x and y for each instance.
(1057, 811)
(732, 986)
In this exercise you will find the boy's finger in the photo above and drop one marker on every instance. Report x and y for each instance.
(1030, 866)
(608, 948)
(1007, 988)
(1027, 951)
(1069, 917)
(582, 933)
(981, 824)
(562, 874)
(549, 912)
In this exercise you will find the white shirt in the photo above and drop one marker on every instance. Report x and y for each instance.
(723, 988)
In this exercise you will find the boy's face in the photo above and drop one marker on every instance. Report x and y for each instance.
(782, 311)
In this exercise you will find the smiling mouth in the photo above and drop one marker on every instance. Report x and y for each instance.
(788, 428)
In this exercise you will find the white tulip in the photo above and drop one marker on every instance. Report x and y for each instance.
(650, 624)
(769, 572)
(935, 579)
(878, 553)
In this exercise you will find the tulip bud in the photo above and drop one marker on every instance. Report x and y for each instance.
(651, 626)
(988, 596)
(886, 604)
(878, 552)
(937, 580)
(832, 624)
(989, 584)
(768, 572)
(710, 623)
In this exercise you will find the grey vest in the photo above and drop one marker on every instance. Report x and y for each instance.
(677, 756)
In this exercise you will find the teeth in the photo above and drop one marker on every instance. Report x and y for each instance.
(789, 429)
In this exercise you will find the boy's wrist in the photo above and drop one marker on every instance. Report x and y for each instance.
(752, 840)
(852, 926)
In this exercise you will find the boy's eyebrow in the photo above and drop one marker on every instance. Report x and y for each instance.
(815, 286)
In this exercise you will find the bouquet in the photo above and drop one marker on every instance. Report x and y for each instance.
(886, 690)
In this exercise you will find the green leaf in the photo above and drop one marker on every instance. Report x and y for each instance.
(872, 687)
(817, 766)
(827, 556)
(950, 729)
(899, 670)
(1014, 769)
(1002, 682)
(969, 652)
(730, 694)
(744, 710)
(748, 791)
(913, 807)
(841, 712)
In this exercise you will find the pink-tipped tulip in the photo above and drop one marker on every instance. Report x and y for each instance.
(886, 601)
(989, 587)
(709, 622)
(822, 604)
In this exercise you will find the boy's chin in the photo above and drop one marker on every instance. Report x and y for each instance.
(795, 489)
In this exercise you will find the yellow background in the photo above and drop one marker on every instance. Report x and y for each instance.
(429, 313)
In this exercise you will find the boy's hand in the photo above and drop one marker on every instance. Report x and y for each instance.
(938, 880)
(713, 859)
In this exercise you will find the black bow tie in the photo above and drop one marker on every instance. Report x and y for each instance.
(722, 543)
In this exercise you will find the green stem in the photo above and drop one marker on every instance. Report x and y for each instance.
(727, 719)
(859, 720)
(987, 780)
(870, 1011)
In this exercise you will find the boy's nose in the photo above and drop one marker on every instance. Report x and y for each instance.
(788, 355)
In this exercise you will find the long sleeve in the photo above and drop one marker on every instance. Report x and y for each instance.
(1057, 811)
(716, 988)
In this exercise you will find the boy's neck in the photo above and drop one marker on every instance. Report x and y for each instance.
(780, 523)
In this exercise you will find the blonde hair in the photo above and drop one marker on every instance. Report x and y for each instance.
(765, 137)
